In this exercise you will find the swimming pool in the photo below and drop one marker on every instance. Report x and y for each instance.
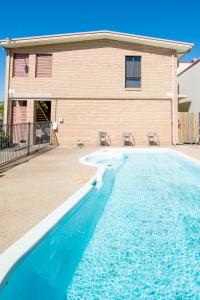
(136, 236)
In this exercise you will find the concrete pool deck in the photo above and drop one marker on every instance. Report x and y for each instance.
(30, 191)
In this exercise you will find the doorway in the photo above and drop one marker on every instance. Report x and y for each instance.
(42, 111)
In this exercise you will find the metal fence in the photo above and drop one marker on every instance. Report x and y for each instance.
(19, 140)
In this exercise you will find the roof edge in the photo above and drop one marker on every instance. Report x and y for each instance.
(181, 47)
(96, 32)
(189, 67)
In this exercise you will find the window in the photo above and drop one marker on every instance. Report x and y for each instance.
(22, 103)
(133, 71)
(20, 65)
(43, 65)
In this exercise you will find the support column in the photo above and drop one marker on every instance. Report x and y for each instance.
(53, 110)
(7, 113)
(54, 138)
(30, 110)
(31, 119)
(174, 100)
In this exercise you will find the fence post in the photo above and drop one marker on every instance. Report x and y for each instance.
(28, 138)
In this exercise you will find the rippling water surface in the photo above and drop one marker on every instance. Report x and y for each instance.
(146, 244)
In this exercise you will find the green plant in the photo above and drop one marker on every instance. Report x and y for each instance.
(4, 140)
(43, 105)
(1, 109)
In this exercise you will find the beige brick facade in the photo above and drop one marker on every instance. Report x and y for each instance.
(87, 89)
(84, 118)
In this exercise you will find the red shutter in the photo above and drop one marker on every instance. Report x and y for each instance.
(19, 113)
(19, 119)
(43, 65)
(20, 65)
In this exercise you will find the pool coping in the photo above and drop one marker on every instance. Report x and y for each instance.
(18, 249)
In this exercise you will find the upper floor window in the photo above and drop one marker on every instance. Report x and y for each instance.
(133, 71)
(20, 65)
(43, 65)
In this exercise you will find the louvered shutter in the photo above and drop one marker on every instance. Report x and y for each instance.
(43, 65)
(20, 65)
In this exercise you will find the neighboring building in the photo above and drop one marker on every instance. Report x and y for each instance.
(87, 82)
(183, 65)
(189, 88)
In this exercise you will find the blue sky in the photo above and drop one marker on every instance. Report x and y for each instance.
(178, 20)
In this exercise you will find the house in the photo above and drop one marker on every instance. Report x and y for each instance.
(183, 65)
(92, 81)
(189, 87)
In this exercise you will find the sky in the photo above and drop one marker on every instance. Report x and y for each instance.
(170, 19)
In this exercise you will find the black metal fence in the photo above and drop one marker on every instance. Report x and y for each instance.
(19, 140)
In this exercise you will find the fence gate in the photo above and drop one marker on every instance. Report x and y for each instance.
(188, 127)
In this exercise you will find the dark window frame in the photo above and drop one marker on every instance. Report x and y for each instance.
(133, 77)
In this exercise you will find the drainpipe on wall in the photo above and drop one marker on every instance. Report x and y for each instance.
(174, 102)
(55, 112)
(6, 118)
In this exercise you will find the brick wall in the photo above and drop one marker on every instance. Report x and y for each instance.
(96, 69)
(83, 119)
(90, 77)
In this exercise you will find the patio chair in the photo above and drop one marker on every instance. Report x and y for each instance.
(153, 138)
(128, 139)
(104, 139)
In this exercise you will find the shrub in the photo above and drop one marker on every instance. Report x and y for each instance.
(4, 140)
(1, 109)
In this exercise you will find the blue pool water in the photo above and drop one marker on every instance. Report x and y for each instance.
(138, 237)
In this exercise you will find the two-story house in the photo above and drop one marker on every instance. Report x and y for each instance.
(87, 82)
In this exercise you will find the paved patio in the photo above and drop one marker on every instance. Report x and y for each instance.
(191, 150)
(30, 191)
